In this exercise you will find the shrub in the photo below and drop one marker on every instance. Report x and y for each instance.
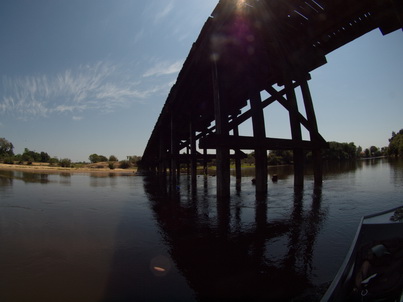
(65, 162)
(8, 160)
(113, 158)
(124, 164)
(111, 166)
(54, 161)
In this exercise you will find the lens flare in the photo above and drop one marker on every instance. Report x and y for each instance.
(240, 4)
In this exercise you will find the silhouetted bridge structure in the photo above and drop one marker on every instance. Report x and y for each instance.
(244, 48)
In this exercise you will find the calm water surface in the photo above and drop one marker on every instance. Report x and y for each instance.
(83, 237)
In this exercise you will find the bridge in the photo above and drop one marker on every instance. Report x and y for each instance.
(245, 48)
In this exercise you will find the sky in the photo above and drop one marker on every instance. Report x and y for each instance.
(82, 77)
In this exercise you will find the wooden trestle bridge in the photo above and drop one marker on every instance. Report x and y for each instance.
(246, 47)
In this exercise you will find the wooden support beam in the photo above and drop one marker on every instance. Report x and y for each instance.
(296, 134)
(174, 153)
(244, 116)
(275, 96)
(310, 113)
(185, 158)
(238, 175)
(251, 143)
(222, 152)
(284, 102)
(193, 162)
(205, 161)
(259, 133)
(162, 159)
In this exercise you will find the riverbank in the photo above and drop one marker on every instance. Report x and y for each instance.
(88, 168)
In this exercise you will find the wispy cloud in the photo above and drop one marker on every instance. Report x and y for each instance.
(163, 68)
(99, 87)
(163, 12)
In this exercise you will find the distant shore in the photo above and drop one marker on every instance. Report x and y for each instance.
(46, 168)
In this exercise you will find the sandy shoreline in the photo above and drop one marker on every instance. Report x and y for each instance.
(37, 168)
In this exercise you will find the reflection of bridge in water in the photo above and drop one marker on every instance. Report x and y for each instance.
(231, 249)
(245, 48)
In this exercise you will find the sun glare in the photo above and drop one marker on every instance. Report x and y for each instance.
(240, 3)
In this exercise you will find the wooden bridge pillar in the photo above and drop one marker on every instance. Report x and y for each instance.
(162, 158)
(298, 153)
(221, 120)
(205, 161)
(193, 155)
(238, 175)
(174, 155)
(259, 133)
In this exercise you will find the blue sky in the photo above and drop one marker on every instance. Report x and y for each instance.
(81, 77)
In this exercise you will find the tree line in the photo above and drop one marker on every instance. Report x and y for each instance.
(7, 156)
(336, 151)
(28, 157)
(130, 161)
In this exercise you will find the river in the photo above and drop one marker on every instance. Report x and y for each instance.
(91, 237)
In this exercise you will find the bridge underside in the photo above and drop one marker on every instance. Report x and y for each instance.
(246, 48)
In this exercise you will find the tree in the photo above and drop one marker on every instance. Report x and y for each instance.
(134, 159)
(30, 156)
(65, 162)
(113, 158)
(277, 157)
(93, 158)
(54, 161)
(396, 144)
(103, 158)
(359, 151)
(373, 150)
(250, 160)
(44, 157)
(6, 147)
(340, 151)
(124, 164)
